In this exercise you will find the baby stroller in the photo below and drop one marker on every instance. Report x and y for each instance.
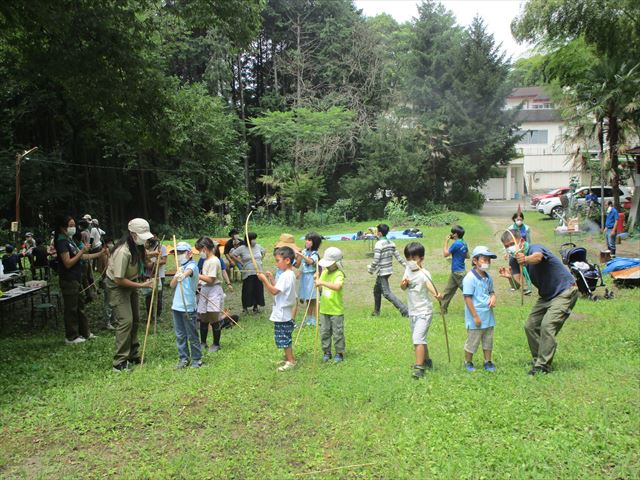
(587, 275)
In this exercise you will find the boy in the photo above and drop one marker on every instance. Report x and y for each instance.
(418, 283)
(382, 267)
(479, 300)
(459, 252)
(611, 228)
(284, 300)
(185, 323)
(331, 304)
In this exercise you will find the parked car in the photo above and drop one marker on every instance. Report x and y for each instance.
(556, 192)
(553, 206)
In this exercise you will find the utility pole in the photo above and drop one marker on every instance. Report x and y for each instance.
(19, 157)
(601, 155)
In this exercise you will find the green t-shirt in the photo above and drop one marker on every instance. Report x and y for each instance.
(330, 300)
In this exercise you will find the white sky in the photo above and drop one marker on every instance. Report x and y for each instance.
(497, 15)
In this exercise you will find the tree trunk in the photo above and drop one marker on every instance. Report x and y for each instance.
(614, 137)
(244, 125)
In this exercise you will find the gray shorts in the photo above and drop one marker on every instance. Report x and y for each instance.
(419, 325)
(474, 337)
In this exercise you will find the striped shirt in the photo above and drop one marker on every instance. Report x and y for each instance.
(382, 253)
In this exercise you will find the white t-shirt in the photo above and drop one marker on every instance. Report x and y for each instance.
(284, 301)
(212, 268)
(96, 235)
(417, 292)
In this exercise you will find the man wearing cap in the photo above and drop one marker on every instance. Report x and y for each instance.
(125, 266)
(557, 292)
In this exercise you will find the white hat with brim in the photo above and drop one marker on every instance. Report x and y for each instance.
(183, 247)
(331, 255)
(140, 227)
(482, 251)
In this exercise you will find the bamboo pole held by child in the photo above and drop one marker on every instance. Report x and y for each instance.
(154, 288)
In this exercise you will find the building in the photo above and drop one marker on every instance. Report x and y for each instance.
(544, 162)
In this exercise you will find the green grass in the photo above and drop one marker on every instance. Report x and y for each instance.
(64, 414)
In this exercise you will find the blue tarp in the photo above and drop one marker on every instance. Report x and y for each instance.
(393, 235)
(621, 263)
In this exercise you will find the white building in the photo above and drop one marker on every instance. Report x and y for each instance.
(544, 163)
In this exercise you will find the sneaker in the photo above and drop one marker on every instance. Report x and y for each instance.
(326, 357)
(527, 292)
(310, 322)
(418, 372)
(197, 364)
(122, 367)
(428, 363)
(213, 348)
(110, 326)
(203, 346)
(182, 364)
(75, 341)
(91, 336)
(469, 367)
(338, 358)
(538, 370)
(489, 367)
(256, 310)
(245, 311)
(286, 366)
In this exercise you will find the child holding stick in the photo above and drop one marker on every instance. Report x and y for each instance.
(211, 298)
(331, 305)
(418, 284)
(309, 260)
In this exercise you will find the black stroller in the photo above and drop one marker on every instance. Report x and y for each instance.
(587, 275)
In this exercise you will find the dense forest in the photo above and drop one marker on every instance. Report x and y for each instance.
(190, 112)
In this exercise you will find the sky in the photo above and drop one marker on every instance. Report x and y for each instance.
(497, 15)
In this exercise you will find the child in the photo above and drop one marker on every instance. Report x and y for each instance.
(459, 252)
(519, 225)
(252, 290)
(211, 298)
(10, 260)
(284, 299)
(331, 306)
(184, 308)
(479, 300)
(382, 267)
(308, 266)
(418, 283)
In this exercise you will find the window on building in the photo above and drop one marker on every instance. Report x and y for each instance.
(534, 137)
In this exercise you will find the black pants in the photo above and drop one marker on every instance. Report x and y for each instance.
(217, 332)
(252, 292)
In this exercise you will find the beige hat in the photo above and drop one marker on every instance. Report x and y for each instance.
(140, 227)
(287, 240)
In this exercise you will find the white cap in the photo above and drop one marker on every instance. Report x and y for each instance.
(140, 227)
(86, 216)
(483, 251)
(331, 255)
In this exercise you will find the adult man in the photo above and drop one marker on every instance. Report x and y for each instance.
(557, 292)
(611, 228)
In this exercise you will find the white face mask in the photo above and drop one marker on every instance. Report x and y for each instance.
(413, 265)
(512, 250)
(485, 266)
(139, 241)
(182, 258)
(608, 209)
(519, 223)
(71, 231)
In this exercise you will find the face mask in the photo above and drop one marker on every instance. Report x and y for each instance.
(413, 265)
(609, 210)
(512, 250)
(182, 258)
(485, 266)
(71, 231)
(236, 238)
(519, 223)
(139, 241)
(253, 243)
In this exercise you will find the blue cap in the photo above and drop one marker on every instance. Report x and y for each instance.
(481, 250)
(183, 247)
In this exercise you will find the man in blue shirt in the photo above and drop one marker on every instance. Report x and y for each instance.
(459, 252)
(611, 228)
(558, 295)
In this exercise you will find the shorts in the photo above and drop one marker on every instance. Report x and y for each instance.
(474, 337)
(419, 325)
(282, 332)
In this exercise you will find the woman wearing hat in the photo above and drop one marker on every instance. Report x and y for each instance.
(252, 288)
(126, 265)
(69, 256)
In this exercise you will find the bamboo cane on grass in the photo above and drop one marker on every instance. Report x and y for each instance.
(306, 311)
(154, 289)
(444, 321)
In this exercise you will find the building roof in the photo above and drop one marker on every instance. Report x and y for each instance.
(537, 93)
(541, 115)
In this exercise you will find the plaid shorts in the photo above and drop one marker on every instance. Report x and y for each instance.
(282, 332)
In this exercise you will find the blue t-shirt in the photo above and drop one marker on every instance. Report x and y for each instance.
(458, 251)
(479, 288)
(189, 286)
(612, 216)
(306, 267)
(550, 276)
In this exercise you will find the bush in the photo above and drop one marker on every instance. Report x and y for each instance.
(436, 220)
(396, 210)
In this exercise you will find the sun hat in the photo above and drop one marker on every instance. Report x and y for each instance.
(331, 255)
(140, 227)
(481, 250)
(287, 240)
(183, 247)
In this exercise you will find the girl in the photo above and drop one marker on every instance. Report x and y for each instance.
(519, 225)
(126, 264)
(211, 299)
(252, 288)
(70, 254)
(309, 258)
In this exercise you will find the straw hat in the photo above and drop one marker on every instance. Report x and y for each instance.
(287, 240)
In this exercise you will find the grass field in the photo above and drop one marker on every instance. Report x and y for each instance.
(64, 414)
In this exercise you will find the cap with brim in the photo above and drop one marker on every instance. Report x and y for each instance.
(183, 247)
(331, 255)
(483, 251)
(140, 227)
(287, 240)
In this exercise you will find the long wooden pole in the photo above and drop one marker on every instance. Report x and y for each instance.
(444, 321)
(246, 237)
(315, 341)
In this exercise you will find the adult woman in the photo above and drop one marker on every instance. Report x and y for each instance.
(519, 225)
(69, 254)
(125, 266)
